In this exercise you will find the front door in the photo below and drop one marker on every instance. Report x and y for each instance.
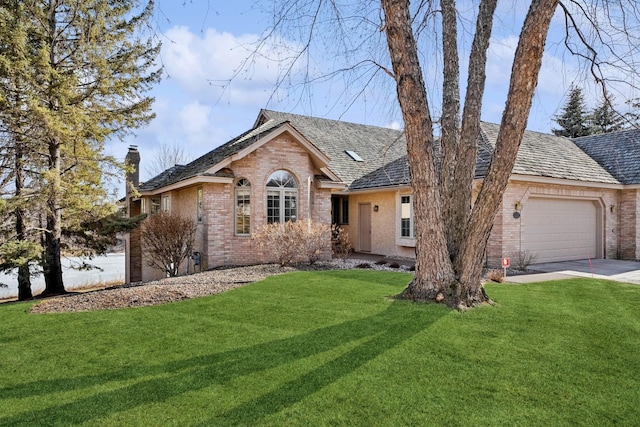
(365, 227)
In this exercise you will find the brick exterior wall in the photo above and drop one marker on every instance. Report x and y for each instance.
(223, 246)
(617, 210)
(629, 222)
(507, 233)
(216, 239)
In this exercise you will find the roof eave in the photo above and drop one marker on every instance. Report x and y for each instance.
(196, 180)
(565, 181)
(331, 185)
(319, 159)
(398, 187)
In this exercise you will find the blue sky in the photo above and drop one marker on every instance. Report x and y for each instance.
(206, 41)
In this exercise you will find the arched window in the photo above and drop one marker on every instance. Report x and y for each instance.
(243, 207)
(282, 197)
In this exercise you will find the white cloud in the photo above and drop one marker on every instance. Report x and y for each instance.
(395, 125)
(219, 66)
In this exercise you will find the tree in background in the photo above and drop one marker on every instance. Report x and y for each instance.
(166, 156)
(605, 119)
(87, 68)
(574, 121)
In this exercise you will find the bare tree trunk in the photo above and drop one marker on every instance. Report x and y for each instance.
(434, 270)
(451, 236)
(52, 256)
(24, 275)
(461, 193)
(524, 78)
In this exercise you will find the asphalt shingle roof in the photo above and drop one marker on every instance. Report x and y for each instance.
(618, 152)
(377, 146)
(395, 173)
(384, 156)
(200, 165)
(551, 156)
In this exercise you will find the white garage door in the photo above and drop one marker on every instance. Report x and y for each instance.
(559, 229)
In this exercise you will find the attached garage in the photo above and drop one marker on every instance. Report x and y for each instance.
(561, 229)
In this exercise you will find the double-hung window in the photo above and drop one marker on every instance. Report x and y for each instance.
(154, 207)
(282, 197)
(243, 207)
(407, 225)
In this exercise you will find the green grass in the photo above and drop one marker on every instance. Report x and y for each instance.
(331, 348)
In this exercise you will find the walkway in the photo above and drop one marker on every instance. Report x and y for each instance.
(609, 269)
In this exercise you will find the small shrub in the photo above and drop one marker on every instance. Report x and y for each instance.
(340, 243)
(381, 262)
(282, 240)
(394, 265)
(314, 239)
(167, 240)
(495, 275)
(363, 265)
(523, 260)
(293, 242)
(412, 267)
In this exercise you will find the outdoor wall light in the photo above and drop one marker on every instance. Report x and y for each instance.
(612, 208)
(518, 205)
(375, 208)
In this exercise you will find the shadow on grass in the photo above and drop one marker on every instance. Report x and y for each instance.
(153, 384)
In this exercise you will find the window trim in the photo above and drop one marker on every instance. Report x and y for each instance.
(237, 188)
(155, 204)
(400, 239)
(199, 205)
(284, 194)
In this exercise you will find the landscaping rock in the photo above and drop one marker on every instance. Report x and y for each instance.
(177, 288)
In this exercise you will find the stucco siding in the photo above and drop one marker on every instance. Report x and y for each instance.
(384, 223)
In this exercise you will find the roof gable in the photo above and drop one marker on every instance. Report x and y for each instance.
(211, 165)
(376, 146)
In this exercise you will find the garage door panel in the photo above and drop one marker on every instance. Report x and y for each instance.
(559, 229)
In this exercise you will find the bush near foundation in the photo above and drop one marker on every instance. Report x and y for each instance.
(294, 242)
(340, 243)
(167, 240)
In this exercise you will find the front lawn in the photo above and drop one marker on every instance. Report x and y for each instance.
(331, 348)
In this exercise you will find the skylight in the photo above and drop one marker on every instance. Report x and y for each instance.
(354, 156)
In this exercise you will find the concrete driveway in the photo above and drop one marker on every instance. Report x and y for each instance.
(611, 269)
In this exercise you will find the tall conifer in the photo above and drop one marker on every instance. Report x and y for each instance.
(90, 66)
(574, 119)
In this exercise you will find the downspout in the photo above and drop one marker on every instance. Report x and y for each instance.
(309, 181)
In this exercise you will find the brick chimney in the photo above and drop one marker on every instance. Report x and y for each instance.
(133, 158)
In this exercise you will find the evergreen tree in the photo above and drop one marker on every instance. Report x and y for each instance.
(604, 119)
(632, 117)
(87, 73)
(19, 249)
(574, 119)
